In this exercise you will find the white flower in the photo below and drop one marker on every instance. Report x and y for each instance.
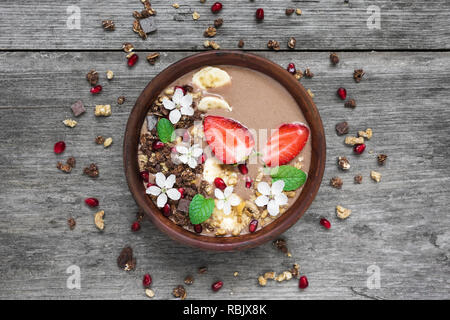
(272, 197)
(163, 189)
(226, 199)
(180, 105)
(189, 155)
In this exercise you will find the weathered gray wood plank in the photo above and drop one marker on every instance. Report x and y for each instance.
(400, 224)
(324, 25)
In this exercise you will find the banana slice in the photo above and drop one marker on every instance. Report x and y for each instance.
(211, 169)
(211, 77)
(209, 103)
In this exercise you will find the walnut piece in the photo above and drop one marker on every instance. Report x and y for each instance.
(343, 163)
(262, 281)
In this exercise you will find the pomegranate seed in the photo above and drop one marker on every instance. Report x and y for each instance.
(147, 280)
(324, 222)
(303, 282)
(202, 159)
(181, 88)
(217, 285)
(260, 14)
(219, 183)
(144, 176)
(166, 210)
(291, 68)
(149, 184)
(91, 202)
(342, 93)
(157, 145)
(198, 228)
(181, 191)
(248, 182)
(132, 60)
(96, 89)
(136, 226)
(59, 147)
(253, 225)
(186, 136)
(359, 148)
(216, 7)
(243, 168)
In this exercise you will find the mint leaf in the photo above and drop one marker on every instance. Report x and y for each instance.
(165, 129)
(200, 209)
(293, 178)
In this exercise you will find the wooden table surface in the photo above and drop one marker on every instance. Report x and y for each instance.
(400, 225)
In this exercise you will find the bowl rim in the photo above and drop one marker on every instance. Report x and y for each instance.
(214, 58)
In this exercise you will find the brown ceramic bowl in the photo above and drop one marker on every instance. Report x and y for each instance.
(162, 81)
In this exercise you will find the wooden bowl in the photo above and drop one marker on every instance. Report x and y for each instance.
(235, 58)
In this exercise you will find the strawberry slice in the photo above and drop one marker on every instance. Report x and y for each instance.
(285, 144)
(230, 141)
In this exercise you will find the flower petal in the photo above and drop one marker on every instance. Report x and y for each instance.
(277, 187)
(261, 201)
(169, 105)
(263, 188)
(192, 162)
(234, 200)
(219, 194)
(186, 101)
(162, 200)
(160, 180)
(173, 194)
(153, 190)
(188, 111)
(273, 208)
(219, 204)
(177, 96)
(183, 158)
(281, 199)
(196, 151)
(170, 181)
(226, 208)
(228, 191)
(182, 149)
(174, 116)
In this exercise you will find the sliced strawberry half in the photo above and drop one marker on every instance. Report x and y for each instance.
(285, 144)
(230, 141)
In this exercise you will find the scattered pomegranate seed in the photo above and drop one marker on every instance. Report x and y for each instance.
(217, 285)
(157, 145)
(359, 148)
(248, 182)
(59, 147)
(219, 183)
(291, 68)
(96, 89)
(324, 222)
(181, 191)
(243, 168)
(260, 14)
(181, 88)
(147, 280)
(136, 226)
(166, 210)
(91, 202)
(253, 225)
(132, 60)
(342, 93)
(198, 228)
(216, 7)
(144, 176)
(202, 159)
(303, 282)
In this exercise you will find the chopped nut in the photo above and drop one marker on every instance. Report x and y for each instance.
(287, 275)
(342, 213)
(150, 293)
(241, 43)
(291, 42)
(218, 22)
(195, 15)
(98, 219)
(235, 273)
(189, 280)
(108, 25)
(99, 140)
(179, 292)
(107, 142)
(281, 245)
(202, 270)
(152, 57)
(376, 176)
(366, 134)
(121, 100)
(289, 11)
(342, 128)
(311, 94)
(354, 140)
(211, 44)
(176, 5)
(273, 44)
(269, 275)
(334, 58)
(295, 270)
(109, 74)
(71, 162)
(381, 159)
(298, 12)
(281, 277)
(102, 110)
(262, 281)
(308, 73)
(92, 170)
(343, 163)
(336, 182)
(358, 179)
(125, 260)
(358, 74)
(92, 77)
(70, 123)
(127, 47)
(351, 103)
(210, 32)
(72, 223)
(67, 168)
(298, 74)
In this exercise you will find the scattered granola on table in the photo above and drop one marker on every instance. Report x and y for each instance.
(291, 43)
(358, 75)
(92, 77)
(342, 213)
(108, 25)
(149, 293)
(308, 73)
(218, 22)
(179, 292)
(298, 11)
(381, 158)
(342, 128)
(98, 220)
(152, 57)
(99, 140)
(195, 15)
(189, 280)
(336, 182)
(102, 110)
(211, 44)
(358, 179)
(109, 75)
(366, 134)
(107, 142)
(121, 100)
(72, 223)
(241, 43)
(92, 171)
(210, 32)
(351, 103)
(353, 140)
(68, 166)
(70, 123)
(343, 163)
(203, 270)
(289, 11)
(78, 108)
(273, 44)
(376, 176)
(334, 58)
(125, 260)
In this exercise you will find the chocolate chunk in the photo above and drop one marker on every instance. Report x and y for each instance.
(78, 108)
(342, 128)
(183, 205)
(125, 260)
(148, 25)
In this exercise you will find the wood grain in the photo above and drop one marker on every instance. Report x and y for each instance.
(324, 25)
(400, 224)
